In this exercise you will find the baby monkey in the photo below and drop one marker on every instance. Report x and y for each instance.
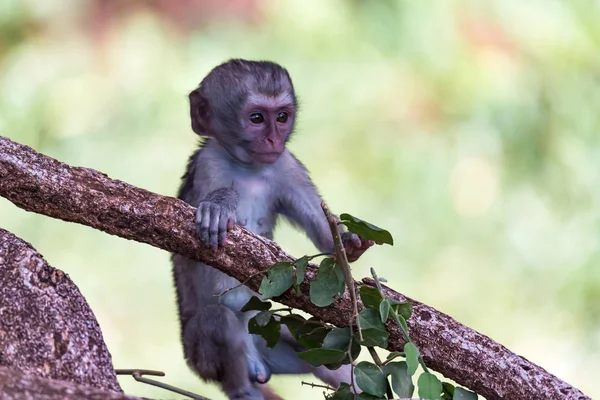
(243, 174)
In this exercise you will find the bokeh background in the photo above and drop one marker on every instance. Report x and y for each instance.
(469, 129)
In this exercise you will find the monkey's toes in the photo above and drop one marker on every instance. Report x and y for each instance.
(263, 377)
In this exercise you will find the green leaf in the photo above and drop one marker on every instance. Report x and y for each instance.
(401, 308)
(370, 296)
(372, 338)
(269, 332)
(279, 279)
(400, 320)
(299, 272)
(312, 333)
(293, 322)
(329, 285)
(301, 265)
(447, 391)
(366, 230)
(412, 357)
(384, 310)
(370, 378)
(401, 380)
(369, 318)
(263, 318)
(342, 393)
(339, 338)
(256, 304)
(373, 330)
(318, 357)
(367, 396)
(430, 387)
(463, 394)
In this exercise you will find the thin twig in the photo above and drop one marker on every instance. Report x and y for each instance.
(240, 284)
(314, 385)
(342, 260)
(137, 375)
(375, 356)
(318, 255)
(282, 309)
(141, 371)
(392, 358)
(351, 363)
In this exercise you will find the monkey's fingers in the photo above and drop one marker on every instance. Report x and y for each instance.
(223, 228)
(355, 240)
(202, 223)
(213, 227)
(350, 239)
(366, 244)
(259, 373)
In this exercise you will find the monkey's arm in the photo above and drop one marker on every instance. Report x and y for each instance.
(205, 188)
(300, 202)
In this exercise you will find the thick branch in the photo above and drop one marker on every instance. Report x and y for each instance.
(41, 184)
(46, 326)
(17, 385)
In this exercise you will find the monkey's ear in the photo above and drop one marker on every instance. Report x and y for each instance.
(199, 113)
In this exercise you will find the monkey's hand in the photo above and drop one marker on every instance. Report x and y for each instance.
(215, 216)
(355, 245)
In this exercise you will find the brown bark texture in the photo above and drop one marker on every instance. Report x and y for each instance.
(44, 185)
(46, 326)
(17, 385)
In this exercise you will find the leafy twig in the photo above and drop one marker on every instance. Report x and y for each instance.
(396, 318)
(344, 265)
(351, 362)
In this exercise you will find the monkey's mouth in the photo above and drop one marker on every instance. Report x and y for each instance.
(265, 158)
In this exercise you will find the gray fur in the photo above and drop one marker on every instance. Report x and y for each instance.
(226, 186)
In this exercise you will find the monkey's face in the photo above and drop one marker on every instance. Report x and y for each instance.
(267, 122)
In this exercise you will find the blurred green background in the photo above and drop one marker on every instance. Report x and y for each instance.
(469, 129)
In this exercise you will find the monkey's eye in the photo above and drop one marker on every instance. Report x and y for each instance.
(282, 117)
(257, 118)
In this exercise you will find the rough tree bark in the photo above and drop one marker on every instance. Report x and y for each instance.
(16, 385)
(51, 346)
(41, 184)
(46, 326)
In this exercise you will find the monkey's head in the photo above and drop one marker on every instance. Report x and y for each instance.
(249, 107)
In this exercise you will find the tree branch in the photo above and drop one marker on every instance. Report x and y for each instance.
(41, 184)
(17, 385)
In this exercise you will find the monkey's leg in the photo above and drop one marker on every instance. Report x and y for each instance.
(215, 346)
(283, 359)
(335, 377)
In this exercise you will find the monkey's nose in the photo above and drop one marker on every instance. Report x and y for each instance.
(275, 142)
